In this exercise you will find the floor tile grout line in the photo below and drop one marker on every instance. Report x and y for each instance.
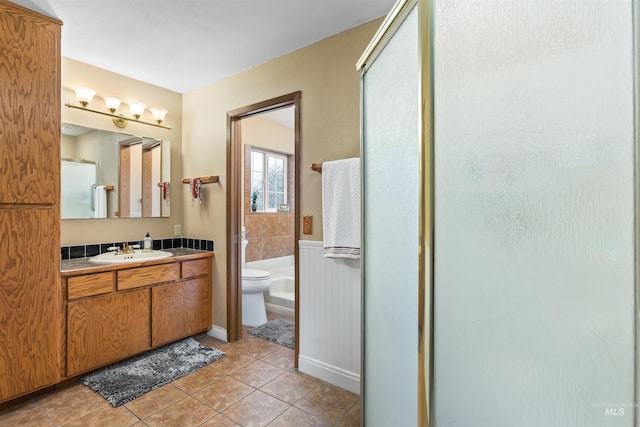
(254, 391)
(132, 413)
(161, 409)
(46, 413)
(226, 407)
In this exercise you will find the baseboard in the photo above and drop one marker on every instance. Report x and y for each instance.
(285, 311)
(218, 332)
(332, 374)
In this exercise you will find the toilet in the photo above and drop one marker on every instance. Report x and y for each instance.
(254, 284)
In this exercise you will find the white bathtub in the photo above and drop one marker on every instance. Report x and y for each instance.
(280, 298)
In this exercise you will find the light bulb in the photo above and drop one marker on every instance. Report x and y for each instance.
(158, 114)
(112, 103)
(137, 108)
(85, 95)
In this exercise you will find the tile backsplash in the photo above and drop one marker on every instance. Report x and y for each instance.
(89, 250)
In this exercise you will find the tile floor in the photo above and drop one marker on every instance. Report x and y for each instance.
(254, 385)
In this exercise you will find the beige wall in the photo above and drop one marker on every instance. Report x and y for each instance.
(267, 134)
(106, 83)
(330, 129)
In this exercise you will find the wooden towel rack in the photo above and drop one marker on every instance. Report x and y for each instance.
(203, 179)
(316, 167)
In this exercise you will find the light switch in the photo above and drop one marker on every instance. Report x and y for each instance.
(307, 224)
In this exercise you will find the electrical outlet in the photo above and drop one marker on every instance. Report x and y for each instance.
(307, 225)
(177, 230)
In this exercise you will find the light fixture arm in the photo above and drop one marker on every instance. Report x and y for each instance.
(116, 116)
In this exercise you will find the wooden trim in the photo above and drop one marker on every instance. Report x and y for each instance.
(147, 185)
(234, 327)
(297, 214)
(124, 194)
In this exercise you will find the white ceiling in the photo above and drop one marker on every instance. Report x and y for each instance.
(182, 45)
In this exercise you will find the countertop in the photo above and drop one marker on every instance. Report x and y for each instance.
(72, 267)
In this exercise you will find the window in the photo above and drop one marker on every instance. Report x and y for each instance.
(268, 179)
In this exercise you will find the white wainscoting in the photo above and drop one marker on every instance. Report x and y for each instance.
(330, 317)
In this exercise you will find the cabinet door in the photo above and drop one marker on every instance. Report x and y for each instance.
(180, 309)
(106, 329)
(29, 107)
(30, 300)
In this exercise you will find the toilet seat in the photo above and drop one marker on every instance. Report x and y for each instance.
(250, 274)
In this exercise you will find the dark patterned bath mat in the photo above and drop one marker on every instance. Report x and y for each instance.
(126, 380)
(280, 331)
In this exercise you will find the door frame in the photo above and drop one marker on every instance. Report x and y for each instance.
(234, 200)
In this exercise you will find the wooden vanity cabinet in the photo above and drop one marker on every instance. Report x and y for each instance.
(116, 314)
(179, 309)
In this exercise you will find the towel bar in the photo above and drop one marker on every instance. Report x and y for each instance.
(203, 179)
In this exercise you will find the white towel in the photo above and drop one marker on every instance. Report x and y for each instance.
(100, 201)
(341, 208)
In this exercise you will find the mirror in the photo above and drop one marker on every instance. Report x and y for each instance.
(107, 174)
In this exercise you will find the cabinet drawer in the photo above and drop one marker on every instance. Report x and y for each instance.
(144, 276)
(91, 284)
(198, 267)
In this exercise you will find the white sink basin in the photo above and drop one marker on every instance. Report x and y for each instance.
(137, 256)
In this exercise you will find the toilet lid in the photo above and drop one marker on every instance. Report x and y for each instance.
(252, 274)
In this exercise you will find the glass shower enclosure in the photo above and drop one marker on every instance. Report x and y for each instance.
(500, 269)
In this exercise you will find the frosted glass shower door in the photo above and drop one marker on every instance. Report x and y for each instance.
(77, 180)
(534, 213)
(391, 159)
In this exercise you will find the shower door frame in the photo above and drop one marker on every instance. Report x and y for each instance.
(424, 326)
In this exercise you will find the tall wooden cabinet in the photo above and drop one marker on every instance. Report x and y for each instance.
(30, 291)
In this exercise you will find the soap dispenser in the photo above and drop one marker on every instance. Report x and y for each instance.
(148, 243)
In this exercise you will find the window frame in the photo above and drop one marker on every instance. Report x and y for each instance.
(265, 175)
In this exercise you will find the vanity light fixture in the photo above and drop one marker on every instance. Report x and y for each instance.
(137, 108)
(112, 103)
(85, 96)
(158, 114)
